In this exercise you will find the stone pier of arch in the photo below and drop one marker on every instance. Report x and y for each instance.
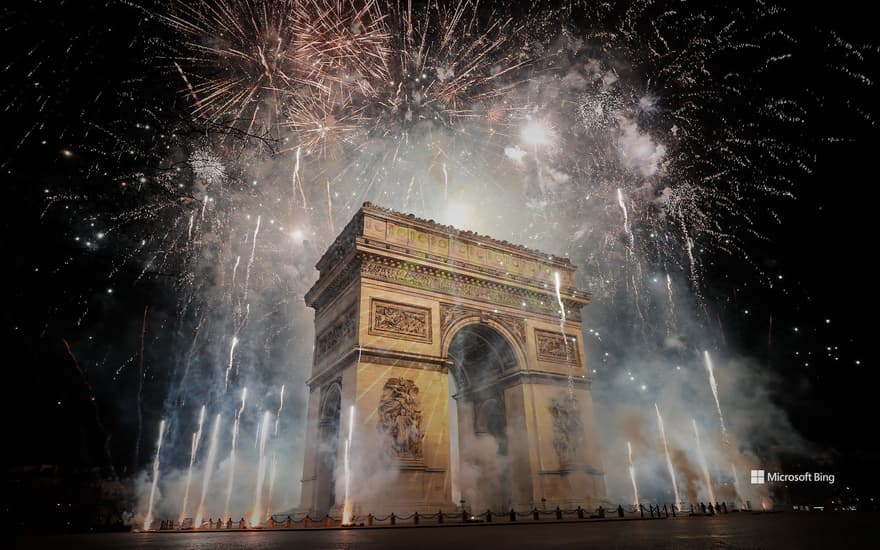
(408, 313)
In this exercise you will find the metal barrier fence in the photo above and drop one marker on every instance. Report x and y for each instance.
(461, 516)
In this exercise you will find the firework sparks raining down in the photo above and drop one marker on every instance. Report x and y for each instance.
(148, 522)
(632, 473)
(558, 287)
(230, 479)
(209, 469)
(590, 131)
(258, 511)
(710, 369)
(703, 465)
(668, 458)
(194, 449)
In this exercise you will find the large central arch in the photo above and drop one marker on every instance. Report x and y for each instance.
(458, 376)
(481, 453)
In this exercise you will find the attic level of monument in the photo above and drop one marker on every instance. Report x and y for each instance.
(385, 245)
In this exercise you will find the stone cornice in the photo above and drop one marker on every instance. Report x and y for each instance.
(379, 356)
(329, 286)
(343, 243)
(454, 284)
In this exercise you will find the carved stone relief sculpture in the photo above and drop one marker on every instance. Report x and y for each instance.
(400, 419)
(567, 431)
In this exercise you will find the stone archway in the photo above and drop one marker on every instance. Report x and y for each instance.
(482, 454)
(403, 307)
(328, 447)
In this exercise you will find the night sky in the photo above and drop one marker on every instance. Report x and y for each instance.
(88, 93)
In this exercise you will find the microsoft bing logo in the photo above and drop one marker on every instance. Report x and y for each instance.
(757, 477)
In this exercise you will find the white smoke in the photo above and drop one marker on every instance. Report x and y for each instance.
(639, 151)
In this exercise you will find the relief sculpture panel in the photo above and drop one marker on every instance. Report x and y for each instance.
(400, 321)
(552, 347)
(400, 419)
(344, 328)
(567, 431)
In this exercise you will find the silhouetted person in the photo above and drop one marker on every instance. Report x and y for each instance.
(724, 507)
(711, 509)
(619, 511)
(703, 508)
(241, 524)
(229, 523)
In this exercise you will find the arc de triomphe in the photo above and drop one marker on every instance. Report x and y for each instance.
(409, 313)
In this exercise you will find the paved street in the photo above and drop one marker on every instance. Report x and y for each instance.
(734, 531)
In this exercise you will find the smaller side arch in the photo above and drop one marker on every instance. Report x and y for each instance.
(331, 401)
(329, 414)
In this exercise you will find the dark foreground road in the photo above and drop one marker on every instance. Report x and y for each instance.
(734, 531)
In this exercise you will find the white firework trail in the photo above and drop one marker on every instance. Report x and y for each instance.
(148, 521)
(668, 458)
(231, 357)
(234, 270)
(736, 486)
(247, 274)
(258, 512)
(272, 473)
(714, 386)
(632, 474)
(626, 227)
(280, 407)
(209, 469)
(558, 285)
(294, 179)
(347, 504)
(230, 480)
(194, 449)
(703, 464)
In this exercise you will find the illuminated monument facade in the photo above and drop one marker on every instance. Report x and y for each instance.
(441, 374)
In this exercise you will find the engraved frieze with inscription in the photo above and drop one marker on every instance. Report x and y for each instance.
(495, 293)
